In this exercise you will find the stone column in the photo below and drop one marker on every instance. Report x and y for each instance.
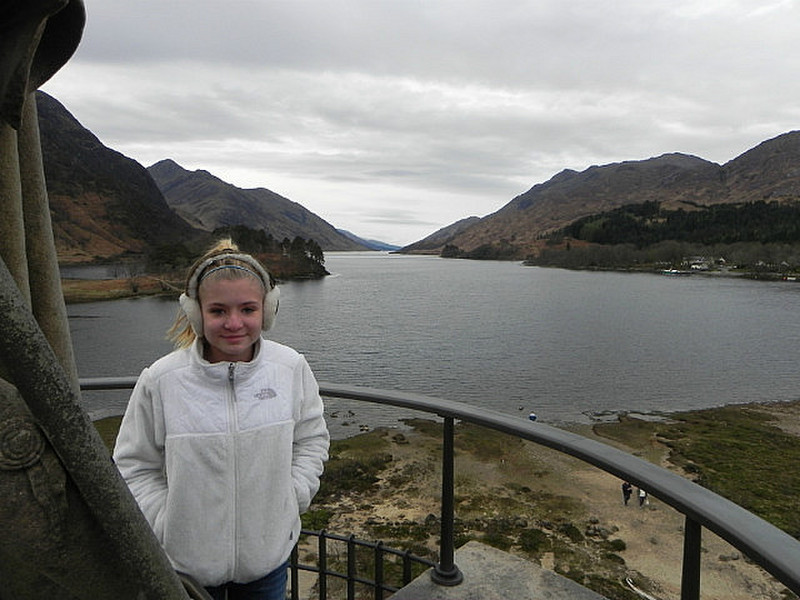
(44, 278)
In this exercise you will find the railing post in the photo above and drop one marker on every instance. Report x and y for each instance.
(351, 567)
(323, 565)
(446, 572)
(379, 571)
(690, 576)
(294, 561)
(406, 567)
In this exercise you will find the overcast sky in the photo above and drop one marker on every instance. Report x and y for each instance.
(393, 118)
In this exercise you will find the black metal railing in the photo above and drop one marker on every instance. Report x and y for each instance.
(378, 583)
(774, 550)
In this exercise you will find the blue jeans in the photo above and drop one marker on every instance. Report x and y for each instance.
(270, 587)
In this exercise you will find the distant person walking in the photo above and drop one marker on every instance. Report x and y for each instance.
(642, 497)
(627, 489)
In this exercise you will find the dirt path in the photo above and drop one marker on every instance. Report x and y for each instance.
(653, 535)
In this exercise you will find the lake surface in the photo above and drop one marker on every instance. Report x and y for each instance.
(570, 346)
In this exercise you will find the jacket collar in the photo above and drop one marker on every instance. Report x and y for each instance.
(220, 369)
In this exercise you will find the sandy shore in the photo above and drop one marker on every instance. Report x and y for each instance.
(530, 486)
(91, 290)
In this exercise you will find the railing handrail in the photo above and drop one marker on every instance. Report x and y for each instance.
(765, 544)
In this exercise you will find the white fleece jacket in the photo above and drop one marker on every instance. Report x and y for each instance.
(222, 458)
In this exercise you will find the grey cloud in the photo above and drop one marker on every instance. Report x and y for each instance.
(362, 102)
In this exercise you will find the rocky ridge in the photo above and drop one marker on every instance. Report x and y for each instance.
(770, 171)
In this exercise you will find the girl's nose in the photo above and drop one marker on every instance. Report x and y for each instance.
(233, 321)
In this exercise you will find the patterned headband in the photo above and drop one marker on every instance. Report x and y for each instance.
(237, 267)
(200, 273)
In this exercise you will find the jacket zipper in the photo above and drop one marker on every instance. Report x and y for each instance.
(233, 428)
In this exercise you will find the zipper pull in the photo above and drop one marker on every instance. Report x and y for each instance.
(231, 367)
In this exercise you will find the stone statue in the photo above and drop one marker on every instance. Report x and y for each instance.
(71, 529)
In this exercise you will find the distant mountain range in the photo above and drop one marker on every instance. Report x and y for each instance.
(208, 203)
(105, 205)
(376, 245)
(770, 171)
(434, 243)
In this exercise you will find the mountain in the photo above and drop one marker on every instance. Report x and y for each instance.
(103, 204)
(434, 243)
(369, 244)
(769, 171)
(208, 202)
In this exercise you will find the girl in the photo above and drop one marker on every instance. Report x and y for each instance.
(223, 441)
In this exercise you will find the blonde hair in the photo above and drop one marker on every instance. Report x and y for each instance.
(212, 265)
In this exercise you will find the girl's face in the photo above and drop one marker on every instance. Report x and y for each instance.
(232, 317)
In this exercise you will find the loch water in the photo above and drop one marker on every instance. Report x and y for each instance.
(570, 346)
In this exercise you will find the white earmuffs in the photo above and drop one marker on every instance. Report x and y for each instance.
(191, 306)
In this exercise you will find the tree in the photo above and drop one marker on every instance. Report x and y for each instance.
(315, 252)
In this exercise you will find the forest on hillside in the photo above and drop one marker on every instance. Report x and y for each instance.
(759, 237)
(647, 224)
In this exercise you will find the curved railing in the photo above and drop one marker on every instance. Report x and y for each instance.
(774, 550)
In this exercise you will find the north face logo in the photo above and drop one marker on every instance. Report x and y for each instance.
(266, 394)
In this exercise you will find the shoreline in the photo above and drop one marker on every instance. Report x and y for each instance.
(549, 508)
(95, 290)
(667, 272)
(77, 291)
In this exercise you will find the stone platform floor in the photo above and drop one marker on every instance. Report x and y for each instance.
(491, 574)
